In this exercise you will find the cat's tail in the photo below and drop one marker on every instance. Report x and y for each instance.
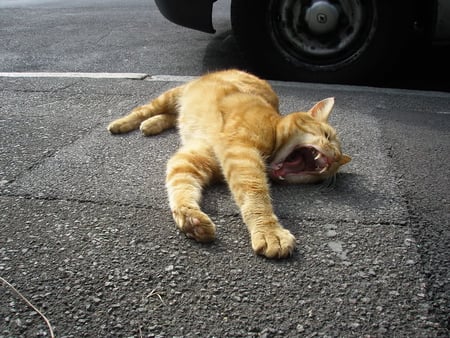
(153, 117)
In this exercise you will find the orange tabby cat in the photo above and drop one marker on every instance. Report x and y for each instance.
(230, 128)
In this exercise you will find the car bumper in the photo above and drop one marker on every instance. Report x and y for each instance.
(195, 14)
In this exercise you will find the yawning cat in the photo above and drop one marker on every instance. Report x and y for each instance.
(231, 129)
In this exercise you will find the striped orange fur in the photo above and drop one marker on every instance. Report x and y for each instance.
(230, 128)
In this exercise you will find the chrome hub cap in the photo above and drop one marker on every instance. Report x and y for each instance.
(322, 17)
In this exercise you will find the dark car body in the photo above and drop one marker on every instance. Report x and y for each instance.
(195, 14)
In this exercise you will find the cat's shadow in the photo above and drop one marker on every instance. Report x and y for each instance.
(345, 190)
(350, 192)
(298, 201)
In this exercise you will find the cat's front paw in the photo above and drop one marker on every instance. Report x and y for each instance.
(122, 125)
(275, 242)
(195, 224)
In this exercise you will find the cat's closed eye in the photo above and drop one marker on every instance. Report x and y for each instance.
(329, 133)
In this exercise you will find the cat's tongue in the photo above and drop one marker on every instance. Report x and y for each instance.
(290, 166)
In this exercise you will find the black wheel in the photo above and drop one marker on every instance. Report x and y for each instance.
(341, 41)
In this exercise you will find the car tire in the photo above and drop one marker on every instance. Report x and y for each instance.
(286, 39)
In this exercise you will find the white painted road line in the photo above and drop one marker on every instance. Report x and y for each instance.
(171, 78)
(133, 76)
(186, 78)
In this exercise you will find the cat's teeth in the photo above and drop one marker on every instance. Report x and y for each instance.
(323, 170)
(281, 178)
(319, 155)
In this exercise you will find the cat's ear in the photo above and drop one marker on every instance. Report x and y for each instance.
(322, 109)
(344, 159)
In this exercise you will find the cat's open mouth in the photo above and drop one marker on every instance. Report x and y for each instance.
(302, 160)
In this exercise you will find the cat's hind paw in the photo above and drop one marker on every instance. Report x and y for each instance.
(273, 242)
(195, 224)
(156, 124)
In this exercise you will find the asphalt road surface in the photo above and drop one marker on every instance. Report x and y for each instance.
(86, 235)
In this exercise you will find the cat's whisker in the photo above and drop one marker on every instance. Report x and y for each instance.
(329, 184)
